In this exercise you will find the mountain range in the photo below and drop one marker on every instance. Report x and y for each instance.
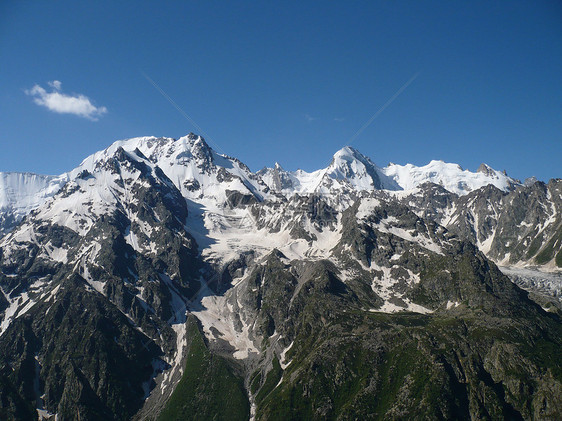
(162, 280)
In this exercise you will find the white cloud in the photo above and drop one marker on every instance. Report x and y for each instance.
(58, 102)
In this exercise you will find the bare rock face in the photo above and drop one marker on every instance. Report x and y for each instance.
(522, 226)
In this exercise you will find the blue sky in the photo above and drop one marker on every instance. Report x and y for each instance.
(291, 82)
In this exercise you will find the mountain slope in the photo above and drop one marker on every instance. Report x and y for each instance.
(333, 329)
(521, 227)
(20, 193)
(167, 281)
(109, 263)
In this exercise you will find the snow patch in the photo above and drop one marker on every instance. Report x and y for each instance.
(215, 314)
(282, 358)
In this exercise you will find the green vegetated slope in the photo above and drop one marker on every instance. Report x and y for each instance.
(208, 390)
(414, 366)
(496, 355)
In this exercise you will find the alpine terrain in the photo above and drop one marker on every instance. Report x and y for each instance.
(160, 280)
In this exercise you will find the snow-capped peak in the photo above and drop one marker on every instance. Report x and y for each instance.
(201, 174)
(451, 176)
(349, 153)
(197, 170)
(486, 169)
(358, 170)
(348, 170)
(349, 162)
